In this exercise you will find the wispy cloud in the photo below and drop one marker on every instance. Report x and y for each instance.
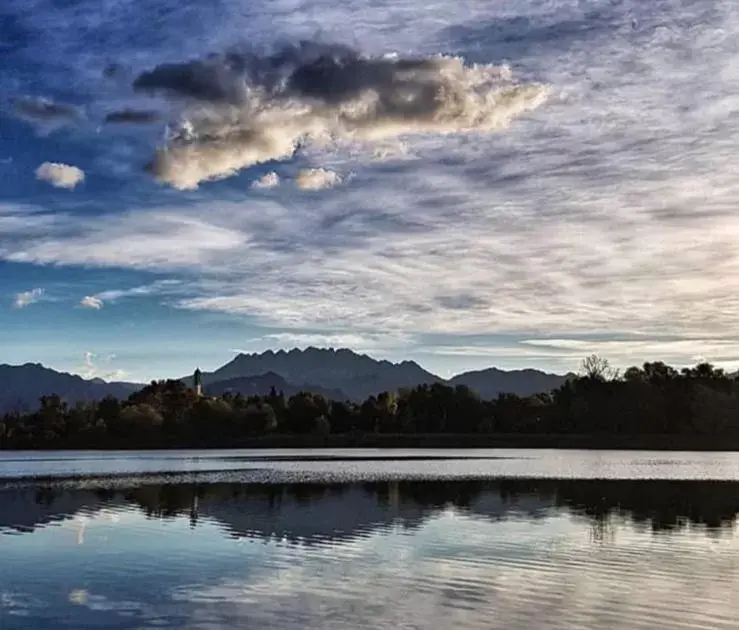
(88, 362)
(60, 175)
(27, 298)
(160, 287)
(385, 343)
(142, 240)
(24, 220)
(45, 114)
(609, 211)
(92, 302)
(94, 366)
(155, 288)
(679, 351)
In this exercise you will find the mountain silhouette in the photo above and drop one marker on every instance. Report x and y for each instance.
(21, 386)
(356, 375)
(337, 374)
(262, 385)
(492, 381)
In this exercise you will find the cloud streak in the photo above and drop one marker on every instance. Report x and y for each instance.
(45, 113)
(26, 298)
(132, 117)
(94, 366)
(91, 302)
(98, 301)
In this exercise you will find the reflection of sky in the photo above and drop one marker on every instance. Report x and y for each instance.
(453, 571)
(129, 563)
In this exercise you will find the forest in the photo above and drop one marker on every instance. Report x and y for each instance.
(699, 403)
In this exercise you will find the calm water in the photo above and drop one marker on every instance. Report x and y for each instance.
(493, 539)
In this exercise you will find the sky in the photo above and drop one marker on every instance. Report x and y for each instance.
(465, 184)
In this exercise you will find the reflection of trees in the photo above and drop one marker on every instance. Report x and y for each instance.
(304, 510)
(665, 505)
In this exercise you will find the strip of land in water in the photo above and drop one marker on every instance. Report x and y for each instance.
(437, 441)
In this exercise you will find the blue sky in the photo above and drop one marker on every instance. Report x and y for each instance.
(574, 193)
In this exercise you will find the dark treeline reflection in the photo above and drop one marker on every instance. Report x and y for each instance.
(319, 512)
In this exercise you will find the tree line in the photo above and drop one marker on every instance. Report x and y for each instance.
(654, 399)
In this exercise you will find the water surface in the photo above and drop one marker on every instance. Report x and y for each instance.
(362, 464)
(368, 542)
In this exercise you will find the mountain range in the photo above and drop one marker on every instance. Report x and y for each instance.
(21, 386)
(335, 374)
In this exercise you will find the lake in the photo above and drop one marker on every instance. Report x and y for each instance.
(369, 539)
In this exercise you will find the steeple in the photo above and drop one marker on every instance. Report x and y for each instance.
(197, 381)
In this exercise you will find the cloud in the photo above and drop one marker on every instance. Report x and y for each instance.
(96, 302)
(158, 287)
(567, 354)
(268, 180)
(607, 212)
(60, 175)
(95, 367)
(146, 240)
(91, 301)
(24, 220)
(317, 179)
(242, 109)
(680, 351)
(132, 117)
(115, 375)
(44, 111)
(356, 341)
(27, 297)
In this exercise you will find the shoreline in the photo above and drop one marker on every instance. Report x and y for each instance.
(439, 441)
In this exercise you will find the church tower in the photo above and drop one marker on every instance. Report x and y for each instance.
(197, 381)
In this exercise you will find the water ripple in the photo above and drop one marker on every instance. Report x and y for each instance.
(507, 553)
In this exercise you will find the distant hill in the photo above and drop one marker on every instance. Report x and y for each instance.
(492, 381)
(21, 386)
(262, 385)
(356, 375)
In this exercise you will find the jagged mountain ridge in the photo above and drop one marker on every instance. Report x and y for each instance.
(356, 375)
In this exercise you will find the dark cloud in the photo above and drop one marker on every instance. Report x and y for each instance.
(336, 79)
(132, 116)
(112, 69)
(461, 302)
(37, 109)
(244, 108)
(212, 80)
